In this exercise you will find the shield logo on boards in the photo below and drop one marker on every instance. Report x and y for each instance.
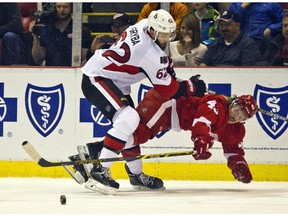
(44, 106)
(274, 100)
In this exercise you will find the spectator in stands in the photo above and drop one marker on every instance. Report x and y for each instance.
(120, 22)
(208, 19)
(233, 47)
(11, 44)
(260, 21)
(177, 10)
(53, 44)
(276, 52)
(188, 51)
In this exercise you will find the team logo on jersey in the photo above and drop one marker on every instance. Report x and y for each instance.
(273, 100)
(89, 113)
(142, 91)
(44, 106)
(8, 109)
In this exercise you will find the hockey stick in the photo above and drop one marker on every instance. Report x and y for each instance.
(32, 152)
(259, 109)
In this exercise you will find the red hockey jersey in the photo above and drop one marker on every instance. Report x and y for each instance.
(205, 117)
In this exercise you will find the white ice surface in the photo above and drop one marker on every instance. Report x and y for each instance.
(42, 195)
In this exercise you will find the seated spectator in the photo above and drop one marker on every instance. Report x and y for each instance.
(188, 51)
(276, 52)
(260, 21)
(208, 19)
(177, 10)
(233, 47)
(120, 22)
(11, 29)
(53, 43)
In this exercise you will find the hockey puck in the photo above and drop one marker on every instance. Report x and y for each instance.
(63, 199)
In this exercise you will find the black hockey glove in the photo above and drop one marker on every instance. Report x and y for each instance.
(199, 84)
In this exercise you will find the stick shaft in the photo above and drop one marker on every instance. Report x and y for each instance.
(32, 152)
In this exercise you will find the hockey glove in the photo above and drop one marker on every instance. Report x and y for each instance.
(199, 85)
(240, 169)
(201, 146)
(170, 69)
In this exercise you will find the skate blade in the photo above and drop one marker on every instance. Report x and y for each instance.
(142, 188)
(93, 185)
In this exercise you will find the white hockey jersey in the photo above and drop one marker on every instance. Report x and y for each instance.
(132, 58)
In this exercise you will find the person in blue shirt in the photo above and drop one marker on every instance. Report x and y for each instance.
(260, 21)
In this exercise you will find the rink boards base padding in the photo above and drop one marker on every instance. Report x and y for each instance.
(165, 170)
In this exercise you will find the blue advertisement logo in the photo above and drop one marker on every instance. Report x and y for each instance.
(89, 113)
(8, 109)
(273, 100)
(44, 106)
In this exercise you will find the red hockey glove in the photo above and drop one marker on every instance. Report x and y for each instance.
(240, 169)
(199, 85)
(202, 146)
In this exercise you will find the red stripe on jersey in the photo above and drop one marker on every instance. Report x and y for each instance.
(123, 68)
(113, 143)
(109, 91)
(167, 91)
(135, 151)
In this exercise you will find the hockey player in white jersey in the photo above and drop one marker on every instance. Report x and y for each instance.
(107, 78)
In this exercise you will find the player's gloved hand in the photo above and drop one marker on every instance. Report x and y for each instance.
(170, 69)
(201, 146)
(240, 169)
(199, 85)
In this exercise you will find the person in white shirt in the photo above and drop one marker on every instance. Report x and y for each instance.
(107, 79)
(188, 50)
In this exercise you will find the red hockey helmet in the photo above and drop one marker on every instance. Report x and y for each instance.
(248, 104)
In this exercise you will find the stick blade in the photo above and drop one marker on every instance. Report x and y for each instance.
(32, 152)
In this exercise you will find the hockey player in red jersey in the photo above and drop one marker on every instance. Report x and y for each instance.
(209, 118)
(107, 79)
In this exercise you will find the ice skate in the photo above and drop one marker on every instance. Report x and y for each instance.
(79, 173)
(144, 182)
(101, 181)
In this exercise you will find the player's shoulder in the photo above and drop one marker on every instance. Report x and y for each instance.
(137, 36)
